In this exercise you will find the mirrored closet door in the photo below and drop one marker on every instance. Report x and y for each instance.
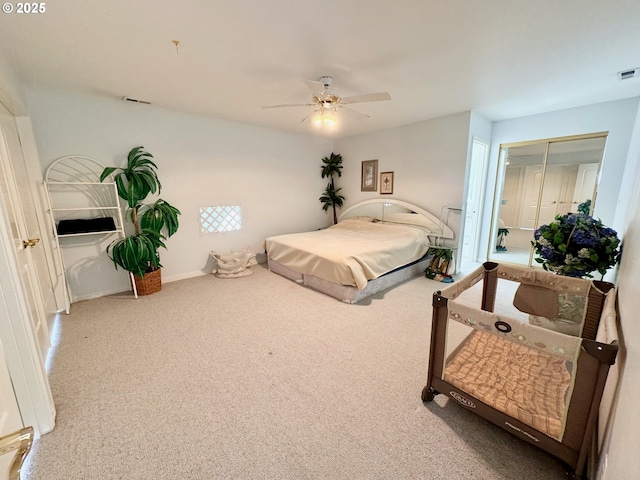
(537, 181)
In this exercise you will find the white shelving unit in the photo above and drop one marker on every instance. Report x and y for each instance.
(445, 214)
(74, 192)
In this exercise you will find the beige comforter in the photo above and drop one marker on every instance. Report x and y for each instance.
(351, 252)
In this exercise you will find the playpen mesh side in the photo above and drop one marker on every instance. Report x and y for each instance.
(580, 301)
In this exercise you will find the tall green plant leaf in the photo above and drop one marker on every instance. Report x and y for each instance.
(136, 253)
(160, 217)
(153, 223)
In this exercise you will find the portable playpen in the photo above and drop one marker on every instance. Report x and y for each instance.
(535, 363)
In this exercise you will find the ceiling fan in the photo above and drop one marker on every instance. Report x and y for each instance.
(327, 103)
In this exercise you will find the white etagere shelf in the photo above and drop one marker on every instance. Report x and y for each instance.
(73, 190)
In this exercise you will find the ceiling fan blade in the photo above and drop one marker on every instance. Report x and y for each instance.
(290, 105)
(370, 97)
(307, 117)
(354, 114)
(317, 88)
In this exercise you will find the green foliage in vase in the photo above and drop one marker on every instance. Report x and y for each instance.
(576, 245)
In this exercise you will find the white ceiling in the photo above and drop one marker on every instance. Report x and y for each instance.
(501, 58)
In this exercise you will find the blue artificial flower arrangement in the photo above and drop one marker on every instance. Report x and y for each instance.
(576, 244)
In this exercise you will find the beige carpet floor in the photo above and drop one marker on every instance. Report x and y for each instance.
(261, 378)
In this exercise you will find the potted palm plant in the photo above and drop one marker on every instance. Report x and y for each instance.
(152, 223)
(439, 264)
(331, 196)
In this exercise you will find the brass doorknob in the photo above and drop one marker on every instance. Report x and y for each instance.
(20, 443)
(30, 243)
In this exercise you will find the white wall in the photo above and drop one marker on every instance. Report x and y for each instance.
(619, 457)
(274, 175)
(616, 117)
(11, 92)
(480, 128)
(428, 160)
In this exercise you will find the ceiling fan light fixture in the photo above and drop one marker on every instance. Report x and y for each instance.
(324, 117)
(329, 121)
(326, 104)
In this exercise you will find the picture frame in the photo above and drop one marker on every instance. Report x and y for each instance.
(369, 176)
(386, 183)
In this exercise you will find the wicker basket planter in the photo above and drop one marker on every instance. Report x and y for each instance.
(150, 283)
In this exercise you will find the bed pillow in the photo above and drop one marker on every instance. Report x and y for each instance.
(362, 218)
(411, 219)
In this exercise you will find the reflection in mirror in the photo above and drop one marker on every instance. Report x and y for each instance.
(536, 182)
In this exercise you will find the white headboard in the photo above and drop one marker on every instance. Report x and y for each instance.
(392, 210)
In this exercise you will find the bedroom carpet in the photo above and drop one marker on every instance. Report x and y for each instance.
(261, 378)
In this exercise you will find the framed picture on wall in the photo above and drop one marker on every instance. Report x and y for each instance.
(386, 183)
(369, 179)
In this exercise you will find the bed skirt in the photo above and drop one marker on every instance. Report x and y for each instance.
(349, 294)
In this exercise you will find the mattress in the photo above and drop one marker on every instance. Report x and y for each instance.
(350, 253)
(524, 383)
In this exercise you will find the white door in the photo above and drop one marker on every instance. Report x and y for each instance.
(557, 192)
(23, 329)
(557, 184)
(585, 183)
(26, 239)
(532, 182)
(473, 204)
(568, 175)
(10, 419)
(510, 205)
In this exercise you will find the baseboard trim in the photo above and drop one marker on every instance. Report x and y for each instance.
(92, 295)
(167, 279)
(183, 276)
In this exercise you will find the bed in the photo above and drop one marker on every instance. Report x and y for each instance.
(540, 380)
(375, 245)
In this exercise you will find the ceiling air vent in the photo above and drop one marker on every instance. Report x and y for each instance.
(631, 73)
(135, 100)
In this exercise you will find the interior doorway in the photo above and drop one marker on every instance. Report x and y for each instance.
(473, 205)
